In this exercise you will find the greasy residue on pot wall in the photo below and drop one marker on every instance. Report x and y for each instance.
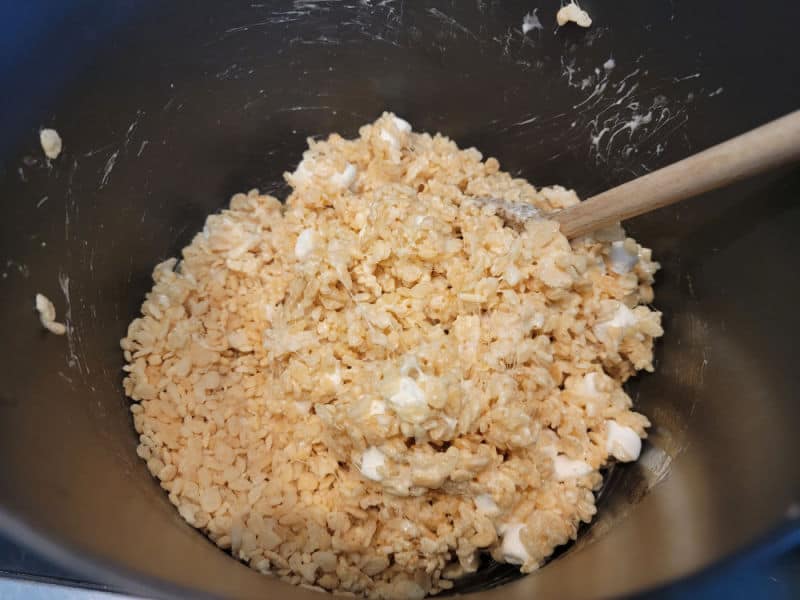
(622, 119)
(107, 154)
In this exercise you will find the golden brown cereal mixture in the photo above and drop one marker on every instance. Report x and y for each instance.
(366, 388)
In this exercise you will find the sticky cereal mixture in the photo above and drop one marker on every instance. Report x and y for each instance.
(370, 387)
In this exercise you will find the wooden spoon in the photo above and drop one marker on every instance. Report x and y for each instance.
(763, 148)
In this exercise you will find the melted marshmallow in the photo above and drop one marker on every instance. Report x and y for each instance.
(572, 12)
(566, 468)
(530, 22)
(305, 244)
(51, 142)
(336, 377)
(485, 504)
(47, 315)
(377, 407)
(388, 137)
(346, 178)
(589, 385)
(623, 443)
(302, 174)
(513, 550)
(623, 318)
(409, 399)
(371, 461)
(401, 125)
(622, 259)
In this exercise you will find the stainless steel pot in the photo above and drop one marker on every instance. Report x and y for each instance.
(166, 109)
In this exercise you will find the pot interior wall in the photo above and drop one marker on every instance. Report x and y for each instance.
(166, 111)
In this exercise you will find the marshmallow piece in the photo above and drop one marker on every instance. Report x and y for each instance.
(514, 552)
(372, 460)
(572, 12)
(623, 443)
(51, 143)
(346, 178)
(304, 245)
(622, 260)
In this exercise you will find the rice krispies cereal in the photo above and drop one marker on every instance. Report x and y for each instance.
(370, 386)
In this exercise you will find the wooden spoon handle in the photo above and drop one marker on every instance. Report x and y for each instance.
(763, 148)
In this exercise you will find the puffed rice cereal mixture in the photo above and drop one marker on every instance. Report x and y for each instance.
(370, 386)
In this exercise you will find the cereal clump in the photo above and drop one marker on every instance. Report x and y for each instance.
(370, 387)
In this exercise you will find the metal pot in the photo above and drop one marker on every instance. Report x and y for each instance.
(166, 109)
